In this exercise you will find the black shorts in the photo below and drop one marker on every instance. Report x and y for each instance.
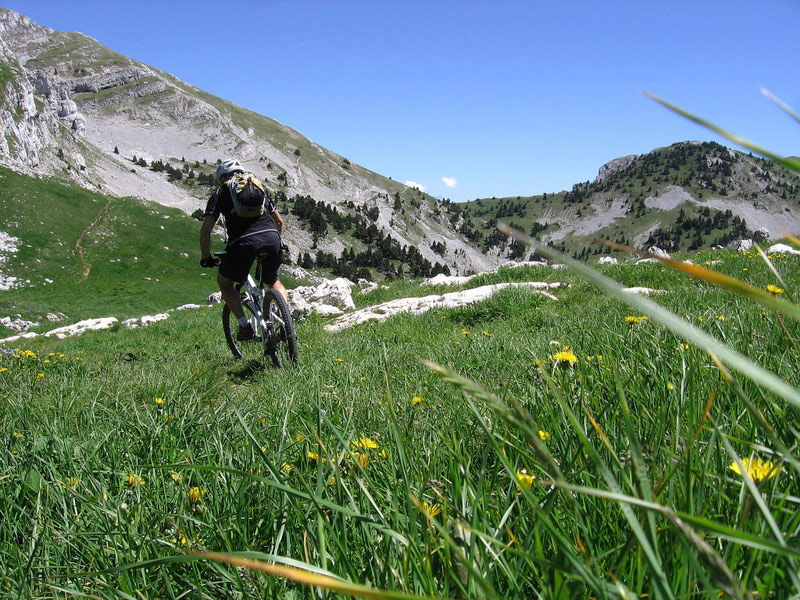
(239, 257)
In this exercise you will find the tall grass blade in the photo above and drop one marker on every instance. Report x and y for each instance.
(316, 580)
(719, 280)
(780, 104)
(789, 163)
(669, 320)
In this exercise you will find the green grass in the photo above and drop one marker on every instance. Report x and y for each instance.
(631, 427)
(110, 257)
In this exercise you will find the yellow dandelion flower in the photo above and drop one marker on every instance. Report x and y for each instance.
(566, 357)
(670, 386)
(465, 331)
(684, 346)
(774, 289)
(700, 319)
(286, 467)
(486, 333)
(416, 400)
(176, 477)
(525, 479)
(361, 458)
(332, 480)
(632, 319)
(430, 510)
(195, 494)
(135, 480)
(721, 317)
(17, 435)
(745, 269)
(599, 357)
(40, 376)
(51, 354)
(46, 361)
(78, 358)
(71, 483)
(758, 469)
(365, 443)
(159, 401)
(312, 455)
(383, 453)
(3, 369)
(544, 435)
(339, 360)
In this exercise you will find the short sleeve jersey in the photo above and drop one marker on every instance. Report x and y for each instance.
(220, 203)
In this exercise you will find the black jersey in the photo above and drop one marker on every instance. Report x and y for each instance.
(220, 203)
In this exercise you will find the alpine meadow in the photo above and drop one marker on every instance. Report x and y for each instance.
(592, 393)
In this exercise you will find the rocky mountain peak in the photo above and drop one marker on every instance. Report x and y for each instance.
(614, 166)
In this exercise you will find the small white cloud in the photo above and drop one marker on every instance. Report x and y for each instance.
(450, 181)
(416, 185)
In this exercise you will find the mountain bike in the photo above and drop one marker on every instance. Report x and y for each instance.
(270, 318)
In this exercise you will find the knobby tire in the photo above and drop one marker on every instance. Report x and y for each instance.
(282, 348)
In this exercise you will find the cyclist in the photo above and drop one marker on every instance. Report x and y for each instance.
(247, 238)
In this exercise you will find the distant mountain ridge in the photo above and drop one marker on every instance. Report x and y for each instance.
(687, 196)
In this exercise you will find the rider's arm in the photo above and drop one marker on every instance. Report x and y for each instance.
(205, 235)
(278, 220)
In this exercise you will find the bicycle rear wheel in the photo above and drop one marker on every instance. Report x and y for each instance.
(282, 347)
(248, 350)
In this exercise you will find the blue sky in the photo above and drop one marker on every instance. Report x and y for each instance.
(493, 98)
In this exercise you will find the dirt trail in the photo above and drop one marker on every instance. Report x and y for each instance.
(79, 250)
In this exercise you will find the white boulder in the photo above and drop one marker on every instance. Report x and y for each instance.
(326, 310)
(335, 292)
(82, 326)
(17, 324)
(782, 249)
(741, 245)
(607, 260)
(643, 291)
(658, 251)
(442, 279)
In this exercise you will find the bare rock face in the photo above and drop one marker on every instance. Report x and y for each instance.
(761, 235)
(741, 245)
(612, 166)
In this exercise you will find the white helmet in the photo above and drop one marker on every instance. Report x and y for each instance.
(226, 167)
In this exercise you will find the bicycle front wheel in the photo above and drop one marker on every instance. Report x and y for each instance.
(282, 345)
(252, 349)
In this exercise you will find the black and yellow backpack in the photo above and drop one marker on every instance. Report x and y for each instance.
(248, 195)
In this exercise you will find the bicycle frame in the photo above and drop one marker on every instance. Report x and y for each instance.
(256, 294)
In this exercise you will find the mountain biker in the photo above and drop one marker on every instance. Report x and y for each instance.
(247, 238)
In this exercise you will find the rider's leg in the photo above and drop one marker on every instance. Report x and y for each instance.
(230, 295)
(279, 286)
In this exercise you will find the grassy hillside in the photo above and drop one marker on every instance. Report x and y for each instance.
(124, 448)
(619, 207)
(90, 255)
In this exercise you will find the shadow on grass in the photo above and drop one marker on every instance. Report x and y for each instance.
(244, 370)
